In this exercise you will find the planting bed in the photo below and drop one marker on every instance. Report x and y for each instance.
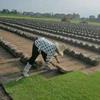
(74, 42)
(82, 51)
(8, 70)
(73, 45)
(23, 43)
(79, 55)
(4, 55)
(55, 29)
(7, 67)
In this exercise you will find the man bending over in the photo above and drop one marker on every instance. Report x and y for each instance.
(47, 49)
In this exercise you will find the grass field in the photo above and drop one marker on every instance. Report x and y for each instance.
(42, 18)
(71, 86)
(28, 17)
(95, 23)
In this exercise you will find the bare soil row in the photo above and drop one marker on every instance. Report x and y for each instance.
(76, 48)
(25, 45)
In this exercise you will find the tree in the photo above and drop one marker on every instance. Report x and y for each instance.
(92, 18)
(5, 11)
(14, 11)
(98, 16)
(76, 16)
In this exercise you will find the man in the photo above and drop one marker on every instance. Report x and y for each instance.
(44, 47)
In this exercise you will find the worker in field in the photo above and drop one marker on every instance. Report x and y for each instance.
(47, 49)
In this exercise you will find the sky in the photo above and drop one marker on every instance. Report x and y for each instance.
(83, 7)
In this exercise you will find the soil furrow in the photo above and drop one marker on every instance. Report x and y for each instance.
(25, 45)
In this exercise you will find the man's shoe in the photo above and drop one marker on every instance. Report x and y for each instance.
(26, 70)
(25, 74)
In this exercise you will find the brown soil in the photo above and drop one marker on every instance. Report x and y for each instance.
(25, 45)
(21, 43)
(77, 49)
(8, 68)
(68, 37)
(4, 54)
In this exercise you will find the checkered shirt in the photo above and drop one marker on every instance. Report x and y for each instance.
(46, 46)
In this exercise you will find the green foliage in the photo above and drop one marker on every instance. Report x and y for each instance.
(71, 86)
(18, 16)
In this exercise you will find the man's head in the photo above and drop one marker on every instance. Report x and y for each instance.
(60, 47)
(35, 38)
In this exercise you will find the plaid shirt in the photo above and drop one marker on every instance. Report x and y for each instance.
(46, 46)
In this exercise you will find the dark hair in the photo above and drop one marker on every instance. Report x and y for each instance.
(35, 38)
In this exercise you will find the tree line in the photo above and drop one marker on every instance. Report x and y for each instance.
(6, 11)
(57, 15)
(50, 15)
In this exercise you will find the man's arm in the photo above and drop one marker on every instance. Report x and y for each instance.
(57, 59)
(59, 52)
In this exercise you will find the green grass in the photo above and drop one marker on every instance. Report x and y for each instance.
(89, 22)
(75, 21)
(71, 86)
(17, 16)
(94, 23)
